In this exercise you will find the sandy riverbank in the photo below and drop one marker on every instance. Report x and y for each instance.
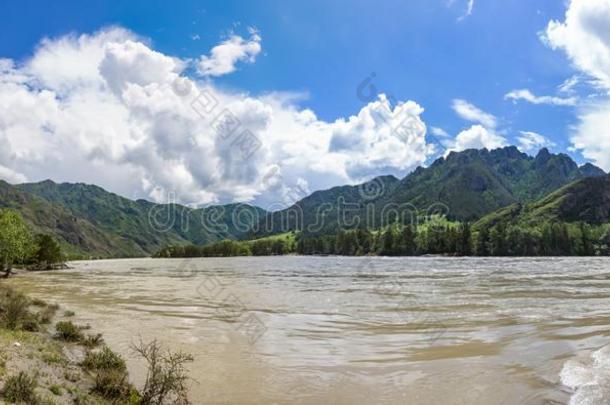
(52, 365)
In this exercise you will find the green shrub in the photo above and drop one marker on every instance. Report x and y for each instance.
(104, 359)
(30, 323)
(68, 314)
(112, 384)
(14, 308)
(45, 316)
(68, 332)
(92, 341)
(37, 302)
(20, 388)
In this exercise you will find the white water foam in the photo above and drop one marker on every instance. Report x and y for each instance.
(589, 380)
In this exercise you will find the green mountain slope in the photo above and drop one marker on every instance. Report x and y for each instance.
(124, 227)
(473, 183)
(498, 185)
(325, 211)
(76, 235)
(586, 200)
(464, 186)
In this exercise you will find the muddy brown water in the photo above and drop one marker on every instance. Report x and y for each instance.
(311, 330)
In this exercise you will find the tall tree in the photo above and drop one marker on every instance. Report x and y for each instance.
(15, 240)
(464, 243)
(482, 243)
(47, 252)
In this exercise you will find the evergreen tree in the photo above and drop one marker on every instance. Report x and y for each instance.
(482, 243)
(587, 247)
(388, 242)
(464, 244)
(497, 240)
(408, 238)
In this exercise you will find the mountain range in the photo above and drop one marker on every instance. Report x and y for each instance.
(463, 186)
(473, 185)
(90, 221)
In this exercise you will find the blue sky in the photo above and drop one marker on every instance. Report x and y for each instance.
(432, 52)
(418, 49)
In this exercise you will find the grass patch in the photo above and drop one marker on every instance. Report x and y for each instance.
(56, 389)
(53, 358)
(45, 316)
(30, 323)
(14, 308)
(3, 358)
(15, 311)
(37, 302)
(104, 359)
(20, 388)
(91, 341)
(68, 332)
(112, 384)
(69, 314)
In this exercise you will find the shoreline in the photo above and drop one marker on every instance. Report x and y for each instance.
(51, 354)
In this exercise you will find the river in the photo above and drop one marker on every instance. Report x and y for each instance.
(311, 330)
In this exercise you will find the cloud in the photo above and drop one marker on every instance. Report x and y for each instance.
(531, 141)
(439, 132)
(472, 113)
(469, 7)
(476, 137)
(584, 36)
(467, 12)
(11, 176)
(387, 137)
(569, 84)
(528, 96)
(592, 134)
(106, 108)
(224, 57)
(481, 135)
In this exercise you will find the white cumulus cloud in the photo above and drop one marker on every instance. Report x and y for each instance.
(440, 132)
(532, 141)
(476, 137)
(483, 134)
(108, 109)
(224, 57)
(472, 113)
(584, 36)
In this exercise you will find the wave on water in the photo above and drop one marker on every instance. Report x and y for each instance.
(589, 380)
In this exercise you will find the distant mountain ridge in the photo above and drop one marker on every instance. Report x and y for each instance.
(467, 186)
(473, 183)
(117, 226)
(464, 186)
